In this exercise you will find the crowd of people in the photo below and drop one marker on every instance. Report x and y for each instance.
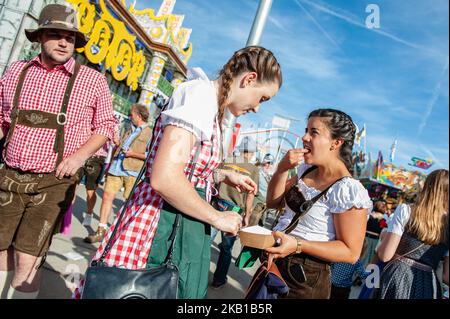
(58, 129)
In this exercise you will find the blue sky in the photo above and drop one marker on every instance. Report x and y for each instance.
(394, 79)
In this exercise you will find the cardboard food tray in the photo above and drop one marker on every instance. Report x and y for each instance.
(256, 237)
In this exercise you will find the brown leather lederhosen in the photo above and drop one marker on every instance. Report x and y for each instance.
(31, 198)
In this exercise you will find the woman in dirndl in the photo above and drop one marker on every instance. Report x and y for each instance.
(187, 143)
(415, 243)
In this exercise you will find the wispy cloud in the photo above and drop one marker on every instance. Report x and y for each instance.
(308, 58)
(435, 158)
(325, 33)
(277, 23)
(350, 18)
(434, 97)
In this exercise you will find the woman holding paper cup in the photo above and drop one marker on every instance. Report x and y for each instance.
(333, 228)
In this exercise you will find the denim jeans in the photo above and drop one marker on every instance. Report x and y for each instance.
(224, 261)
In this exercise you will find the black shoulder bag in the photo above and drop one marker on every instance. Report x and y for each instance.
(104, 282)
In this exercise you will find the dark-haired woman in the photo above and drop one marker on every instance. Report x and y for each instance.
(333, 229)
(191, 125)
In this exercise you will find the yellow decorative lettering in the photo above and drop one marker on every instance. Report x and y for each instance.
(166, 29)
(110, 42)
(100, 38)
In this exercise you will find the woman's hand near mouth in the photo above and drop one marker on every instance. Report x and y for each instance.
(292, 159)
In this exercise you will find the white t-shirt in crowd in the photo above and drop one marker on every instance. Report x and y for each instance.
(317, 224)
(193, 106)
(399, 219)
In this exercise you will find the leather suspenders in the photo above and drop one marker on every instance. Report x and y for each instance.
(40, 119)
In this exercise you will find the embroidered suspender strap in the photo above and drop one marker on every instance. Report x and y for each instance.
(308, 203)
(61, 117)
(15, 108)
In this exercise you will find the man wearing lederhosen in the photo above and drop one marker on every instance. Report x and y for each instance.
(54, 115)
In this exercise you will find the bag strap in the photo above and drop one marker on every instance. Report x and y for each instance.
(313, 200)
(307, 171)
(122, 213)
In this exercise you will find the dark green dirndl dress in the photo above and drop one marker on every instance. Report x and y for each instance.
(192, 250)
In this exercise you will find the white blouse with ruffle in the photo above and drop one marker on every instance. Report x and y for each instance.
(317, 224)
(193, 106)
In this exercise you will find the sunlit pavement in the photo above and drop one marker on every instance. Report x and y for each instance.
(62, 269)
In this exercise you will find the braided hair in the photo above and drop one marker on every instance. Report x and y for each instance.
(342, 127)
(250, 59)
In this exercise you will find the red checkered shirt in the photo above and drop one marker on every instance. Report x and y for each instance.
(89, 112)
(132, 243)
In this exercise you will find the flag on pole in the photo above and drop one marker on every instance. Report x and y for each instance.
(356, 135)
(379, 163)
(393, 149)
(360, 134)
